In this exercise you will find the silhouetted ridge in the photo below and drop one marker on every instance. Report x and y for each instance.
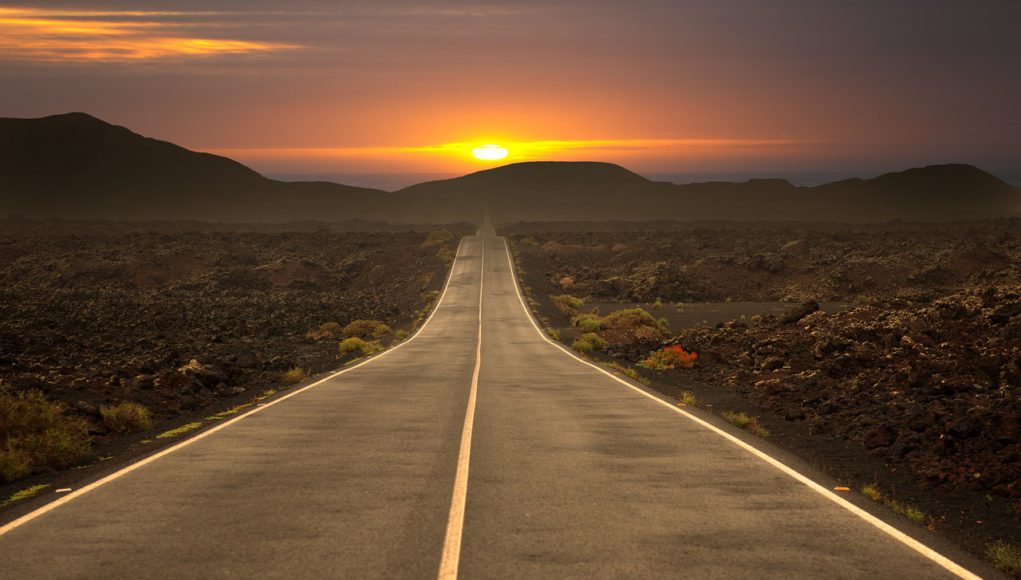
(75, 165)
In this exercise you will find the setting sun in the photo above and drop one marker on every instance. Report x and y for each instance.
(489, 152)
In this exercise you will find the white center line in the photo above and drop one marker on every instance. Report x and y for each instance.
(451, 555)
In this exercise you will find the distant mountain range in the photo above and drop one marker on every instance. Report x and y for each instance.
(77, 166)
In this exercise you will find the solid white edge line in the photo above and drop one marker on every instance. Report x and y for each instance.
(450, 557)
(914, 544)
(182, 444)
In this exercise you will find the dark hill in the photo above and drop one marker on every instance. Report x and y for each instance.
(537, 190)
(75, 165)
(600, 191)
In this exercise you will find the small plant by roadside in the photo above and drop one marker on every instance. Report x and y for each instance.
(658, 303)
(909, 511)
(1005, 556)
(367, 329)
(24, 494)
(669, 357)
(687, 398)
(126, 417)
(872, 492)
(589, 342)
(36, 435)
(748, 423)
(179, 430)
(355, 344)
(587, 322)
(295, 375)
(553, 333)
(629, 372)
(568, 305)
(401, 334)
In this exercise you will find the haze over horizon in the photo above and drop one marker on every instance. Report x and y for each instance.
(411, 87)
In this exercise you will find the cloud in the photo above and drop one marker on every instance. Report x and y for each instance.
(53, 35)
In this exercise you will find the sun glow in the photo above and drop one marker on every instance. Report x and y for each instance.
(489, 152)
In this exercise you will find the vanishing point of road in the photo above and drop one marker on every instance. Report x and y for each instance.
(476, 449)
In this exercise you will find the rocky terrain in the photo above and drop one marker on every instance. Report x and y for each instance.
(177, 317)
(914, 390)
(682, 262)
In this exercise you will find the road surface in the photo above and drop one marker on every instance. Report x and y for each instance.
(475, 450)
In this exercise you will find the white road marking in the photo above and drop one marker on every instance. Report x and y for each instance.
(128, 469)
(893, 532)
(451, 555)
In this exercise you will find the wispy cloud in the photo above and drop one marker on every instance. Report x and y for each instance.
(53, 35)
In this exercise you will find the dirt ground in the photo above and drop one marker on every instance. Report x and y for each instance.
(912, 385)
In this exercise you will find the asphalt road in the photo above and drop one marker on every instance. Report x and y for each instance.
(571, 475)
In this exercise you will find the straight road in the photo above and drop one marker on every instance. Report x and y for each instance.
(475, 450)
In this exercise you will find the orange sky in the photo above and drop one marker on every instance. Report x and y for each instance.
(413, 86)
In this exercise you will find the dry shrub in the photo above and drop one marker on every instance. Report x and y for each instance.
(36, 435)
(295, 375)
(629, 325)
(326, 330)
(126, 418)
(367, 329)
(567, 305)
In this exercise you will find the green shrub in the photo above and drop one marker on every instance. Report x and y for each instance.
(401, 334)
(587, 322)
(589, 342)
(567, 304)
(749, 424)
(295, 375)
(35, 435)
(351, 345)
(355, 344)
(1007, 557)
(367, 329)
(126, 418)
(553, 333)
(872, 492)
